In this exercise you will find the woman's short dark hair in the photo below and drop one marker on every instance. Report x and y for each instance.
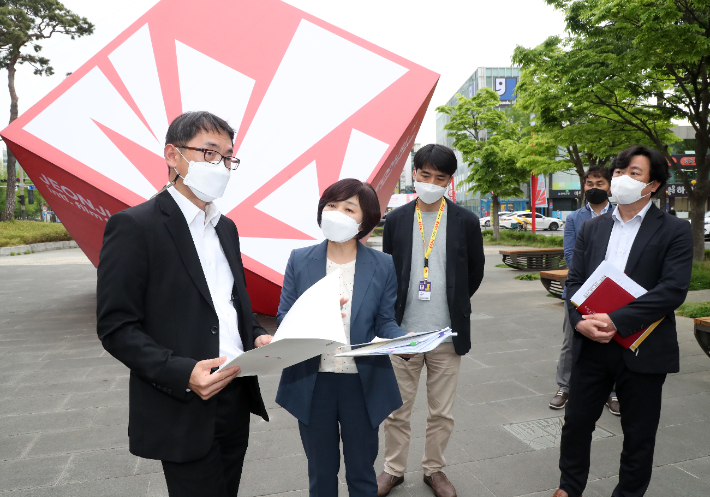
(437, 156)
(659, 165)
(597, 171)
(188, 125)
(366, 195)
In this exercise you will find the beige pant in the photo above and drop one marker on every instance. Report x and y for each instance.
(443, 365)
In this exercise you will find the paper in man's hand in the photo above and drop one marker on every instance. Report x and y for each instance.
(313, 326)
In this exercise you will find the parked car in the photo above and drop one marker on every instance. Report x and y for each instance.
(541, 222)
(487, 222)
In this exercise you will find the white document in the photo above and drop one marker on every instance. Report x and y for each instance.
(603, 271)
(415, 343)
(312, 327)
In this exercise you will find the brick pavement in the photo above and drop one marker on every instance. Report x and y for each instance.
(63, 402)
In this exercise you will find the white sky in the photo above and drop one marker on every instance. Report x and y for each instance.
(451, 37)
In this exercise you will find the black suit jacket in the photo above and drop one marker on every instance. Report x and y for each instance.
(155, 315)
(660, 260)
(464, 263)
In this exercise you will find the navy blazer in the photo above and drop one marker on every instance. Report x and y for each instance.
(372, 314)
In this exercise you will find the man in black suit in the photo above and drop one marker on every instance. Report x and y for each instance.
(655, 250)
(172, 306)
(437, 250)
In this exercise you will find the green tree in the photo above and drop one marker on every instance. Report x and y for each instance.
(641, 62)
(24, 24)
(487, 139)
(569, 129)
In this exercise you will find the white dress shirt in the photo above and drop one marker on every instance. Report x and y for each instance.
(622, 237)
(218, 274)
(328, 362)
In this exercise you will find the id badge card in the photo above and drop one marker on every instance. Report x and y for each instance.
(425, 290)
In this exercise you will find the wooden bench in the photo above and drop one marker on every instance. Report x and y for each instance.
(702, 334)
(535, 259)
(554, 281)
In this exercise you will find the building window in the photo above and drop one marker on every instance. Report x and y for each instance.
(488, 72)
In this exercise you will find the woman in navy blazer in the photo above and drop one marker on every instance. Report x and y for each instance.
(334, 398)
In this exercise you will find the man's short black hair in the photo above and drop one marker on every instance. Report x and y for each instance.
(659, 165)
(597, 171)
(188, 125)
(436, 156)
(366, 196)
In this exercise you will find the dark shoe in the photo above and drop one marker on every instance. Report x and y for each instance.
(440, 484)
(559, 401)
(613, 404)
(386, 482)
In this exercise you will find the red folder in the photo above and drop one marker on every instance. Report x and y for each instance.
(607, 297)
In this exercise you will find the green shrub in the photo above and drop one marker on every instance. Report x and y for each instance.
(700, 278)
(522, 239)
(14, 233)
(694, 309)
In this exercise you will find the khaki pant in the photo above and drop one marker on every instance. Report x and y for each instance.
(443, 365)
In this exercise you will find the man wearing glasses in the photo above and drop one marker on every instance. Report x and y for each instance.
(172, 306)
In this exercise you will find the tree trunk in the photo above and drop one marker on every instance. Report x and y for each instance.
(697, 223)
(699, 194)
(495, 207)
(579, 167)
(11, 177)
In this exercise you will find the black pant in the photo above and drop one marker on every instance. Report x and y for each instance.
(218, 473)
(338, 399)
(593, 375)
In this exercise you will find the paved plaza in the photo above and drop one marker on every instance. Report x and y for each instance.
(63, 402)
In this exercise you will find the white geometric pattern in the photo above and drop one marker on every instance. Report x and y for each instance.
(134, 62)
(271, 252)
(362, 156)
(296, 202)
(206, 84)
(94, 97)
(322, 80)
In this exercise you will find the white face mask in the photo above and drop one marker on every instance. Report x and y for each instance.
(627, 190)
(428, 192)
(338, 227)
(207, 181)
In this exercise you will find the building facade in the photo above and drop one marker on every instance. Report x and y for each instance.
(503, 80)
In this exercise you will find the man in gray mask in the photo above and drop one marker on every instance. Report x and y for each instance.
(172, 306)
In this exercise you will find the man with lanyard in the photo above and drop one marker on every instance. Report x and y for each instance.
(437, 251)
(597, 182)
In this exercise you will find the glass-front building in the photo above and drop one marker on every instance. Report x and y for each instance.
(503, 80)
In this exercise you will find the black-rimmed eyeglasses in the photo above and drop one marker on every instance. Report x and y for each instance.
(214, 157)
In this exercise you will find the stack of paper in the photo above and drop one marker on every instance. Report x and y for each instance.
(312, 327)
(414, 343)
(605, 291)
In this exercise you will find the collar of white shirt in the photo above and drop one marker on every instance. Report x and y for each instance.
(604, 210)
(639, 216)
(190, 210)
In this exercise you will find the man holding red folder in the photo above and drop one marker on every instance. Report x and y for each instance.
(655, 250)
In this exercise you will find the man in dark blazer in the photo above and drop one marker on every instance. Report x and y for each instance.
(439, 264)
(172, 306)
(655, 250)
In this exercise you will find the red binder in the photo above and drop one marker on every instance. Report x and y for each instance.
(607, 297)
